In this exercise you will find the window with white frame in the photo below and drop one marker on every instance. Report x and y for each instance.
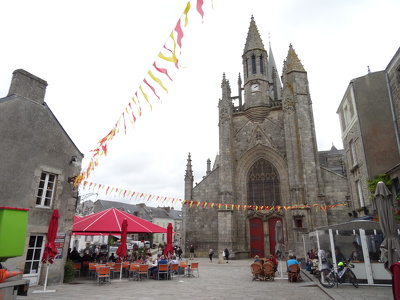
(353, 153)
(360, 193)
(46, 189)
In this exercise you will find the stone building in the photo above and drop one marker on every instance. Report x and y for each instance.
(369, 136)
(267, 157)
(38, 161)
(393, 79)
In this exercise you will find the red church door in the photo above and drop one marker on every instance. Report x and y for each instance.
(272, 234)
(256, 237)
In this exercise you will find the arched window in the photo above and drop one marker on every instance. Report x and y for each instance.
(247, 67)
(261, 65)
(253, 65)
(263, 186)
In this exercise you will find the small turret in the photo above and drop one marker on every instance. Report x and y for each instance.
(189, 179)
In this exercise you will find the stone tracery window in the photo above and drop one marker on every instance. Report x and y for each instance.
(263, 184)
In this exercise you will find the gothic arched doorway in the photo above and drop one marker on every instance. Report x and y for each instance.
(263, 189)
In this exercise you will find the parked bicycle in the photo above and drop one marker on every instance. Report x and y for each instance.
(329, 277)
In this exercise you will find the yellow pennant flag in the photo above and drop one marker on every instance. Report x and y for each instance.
(157, 80)
(185, 12)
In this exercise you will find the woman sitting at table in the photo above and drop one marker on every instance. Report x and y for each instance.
(152, 265)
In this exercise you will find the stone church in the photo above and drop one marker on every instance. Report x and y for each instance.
(268, 156)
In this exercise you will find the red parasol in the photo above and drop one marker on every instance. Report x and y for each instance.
(50, 250)
(169, 248)
(110, 221)
(121, 251)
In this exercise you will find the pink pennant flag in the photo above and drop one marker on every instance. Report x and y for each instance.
(179, 31)
(133, 115)
(199, 8)
(123, 117)
(162, 70)
(152, 88)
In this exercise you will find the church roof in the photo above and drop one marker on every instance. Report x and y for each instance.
(292, 62)
(253, 40)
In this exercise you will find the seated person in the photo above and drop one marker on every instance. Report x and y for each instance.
(291, 261)
(257, 259)
(357, 253)
(339, 255)
(112, 258)
(162, 261)
(173, 260)
(74, 255)
(274, 262)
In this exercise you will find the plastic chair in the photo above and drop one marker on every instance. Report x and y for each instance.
(268, 270)
(294, 273)
(163, 269)
(257, 271)
(77, 267)
(85, 267)
(92, 269)
(125, 268)
(143, 270)
(133, 271)
(103, 274)
(182, 268)
(174, 268)
(195, 267)
(116, 269)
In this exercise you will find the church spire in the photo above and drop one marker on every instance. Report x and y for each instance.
(189, 171)
(292, 62)
(273, 75)
(253, 38)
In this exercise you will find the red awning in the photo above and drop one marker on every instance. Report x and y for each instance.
(110, 221)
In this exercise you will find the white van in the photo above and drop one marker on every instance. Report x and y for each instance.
(141, 244)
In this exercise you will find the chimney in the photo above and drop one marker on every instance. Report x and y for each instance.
(28, 86)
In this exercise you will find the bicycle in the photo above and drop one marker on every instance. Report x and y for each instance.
(329, 277)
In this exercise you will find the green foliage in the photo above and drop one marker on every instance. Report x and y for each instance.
(141, 251)
(69, 271)
(380, 177)
(111, 240)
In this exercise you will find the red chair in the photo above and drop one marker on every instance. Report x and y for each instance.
(143, 271)
(163, 269)
(174, 269)
(195, 267)
(294, 273)
(103, 275)
(134, 271)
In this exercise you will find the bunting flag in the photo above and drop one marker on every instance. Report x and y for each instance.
(150, 88)
(123, 193)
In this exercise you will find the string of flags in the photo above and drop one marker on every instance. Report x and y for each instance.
(139, 196)
(154, 85)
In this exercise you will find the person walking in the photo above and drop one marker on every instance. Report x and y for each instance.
(191, 250)
(210, 253)
(179, 253)
(226, 254)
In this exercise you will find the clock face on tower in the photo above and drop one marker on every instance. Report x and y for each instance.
(255, 87)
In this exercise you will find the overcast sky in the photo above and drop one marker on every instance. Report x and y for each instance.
(95, 54)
